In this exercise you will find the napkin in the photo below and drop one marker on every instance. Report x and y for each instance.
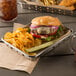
(13, 60)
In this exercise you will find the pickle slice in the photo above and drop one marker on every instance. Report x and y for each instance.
(36, 48)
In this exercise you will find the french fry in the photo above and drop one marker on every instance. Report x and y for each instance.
(67, 2)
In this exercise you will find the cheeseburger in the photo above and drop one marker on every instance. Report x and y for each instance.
(46, 27)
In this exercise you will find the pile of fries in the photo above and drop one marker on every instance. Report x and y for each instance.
(22, 39)
(49, 2)
(69, 3)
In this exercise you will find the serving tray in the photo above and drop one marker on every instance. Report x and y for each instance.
(31, 5)
(43, 51)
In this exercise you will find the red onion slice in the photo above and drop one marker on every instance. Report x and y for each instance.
(33, 26)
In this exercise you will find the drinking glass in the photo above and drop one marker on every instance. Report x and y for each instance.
(8, 10)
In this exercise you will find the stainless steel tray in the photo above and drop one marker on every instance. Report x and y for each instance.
(48, 49)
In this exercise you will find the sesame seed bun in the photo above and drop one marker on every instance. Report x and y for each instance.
(46, 20)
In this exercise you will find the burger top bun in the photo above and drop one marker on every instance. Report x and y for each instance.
(46, 20)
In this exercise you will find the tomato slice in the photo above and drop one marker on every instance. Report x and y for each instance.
(38, 36)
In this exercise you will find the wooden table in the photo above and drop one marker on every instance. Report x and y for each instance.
(62, 65)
